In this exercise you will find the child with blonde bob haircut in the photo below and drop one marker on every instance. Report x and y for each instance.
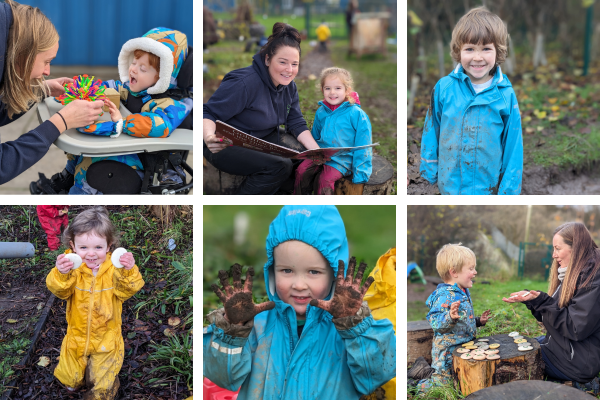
(450, 315)
(92, 350)
(339, 122)
(472, 141)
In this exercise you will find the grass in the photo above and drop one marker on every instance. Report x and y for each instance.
(336, 22)
(176, 357)
(10, 354)
(371, 231)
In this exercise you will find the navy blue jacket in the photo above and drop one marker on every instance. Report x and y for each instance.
(18, 155)
(248, 101)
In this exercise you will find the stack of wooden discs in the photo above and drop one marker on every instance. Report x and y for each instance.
(480, 350)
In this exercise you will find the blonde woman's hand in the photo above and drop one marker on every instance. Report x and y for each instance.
(56, 86)
(523, 295)
(80, 113)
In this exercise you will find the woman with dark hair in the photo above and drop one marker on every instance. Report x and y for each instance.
(571, 315)
(257, 100)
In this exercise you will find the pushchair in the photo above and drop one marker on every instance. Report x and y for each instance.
(164, 159)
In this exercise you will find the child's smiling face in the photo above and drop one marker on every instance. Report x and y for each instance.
(141, 74)
(464, 278)
(301, 274)
(334, 90)
(91, 248)
(478, 60)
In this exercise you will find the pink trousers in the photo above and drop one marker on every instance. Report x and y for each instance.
(313, 177)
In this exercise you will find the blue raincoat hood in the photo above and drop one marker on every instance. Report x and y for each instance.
(318, 226)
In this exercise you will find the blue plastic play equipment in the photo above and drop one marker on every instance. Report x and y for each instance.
(414, 273)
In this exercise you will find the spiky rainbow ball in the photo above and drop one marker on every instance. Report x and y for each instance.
(82, 88)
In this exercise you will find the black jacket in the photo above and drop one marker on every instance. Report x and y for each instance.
(18, 155)
(248, 101)
(572, 343)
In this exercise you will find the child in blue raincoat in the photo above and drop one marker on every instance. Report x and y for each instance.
(472, 141)
(293, 349)
(451, 311)
(339, 122)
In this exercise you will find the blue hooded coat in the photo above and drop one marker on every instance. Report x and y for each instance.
(472, 143)
(273, 363)
(347, 126)
(447, 333)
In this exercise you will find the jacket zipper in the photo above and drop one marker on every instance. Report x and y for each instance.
(87, 341)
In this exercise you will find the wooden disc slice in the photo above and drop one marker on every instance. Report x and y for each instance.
(471, 347)
(493, 357)
(520, 340)
(466, 356)
(488, 352)
(513, 334)
(525, 348)
(479, 357)
(494, 345)
(461, 350)
(484, 347)
(467, 344)
(484, 340)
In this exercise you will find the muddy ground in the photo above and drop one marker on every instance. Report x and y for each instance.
(536, 179)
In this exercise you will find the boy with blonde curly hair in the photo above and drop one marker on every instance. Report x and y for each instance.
(450, 315)
(472, 141)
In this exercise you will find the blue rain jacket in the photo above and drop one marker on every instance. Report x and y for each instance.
(472, 143)
(447, 333)
(347, 126)
(273, 363)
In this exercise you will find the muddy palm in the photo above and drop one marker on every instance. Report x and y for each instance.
(237, 300)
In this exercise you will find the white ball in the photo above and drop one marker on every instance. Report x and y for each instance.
(116, 255)
(75, 259)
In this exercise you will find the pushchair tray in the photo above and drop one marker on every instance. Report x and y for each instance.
(77, 143)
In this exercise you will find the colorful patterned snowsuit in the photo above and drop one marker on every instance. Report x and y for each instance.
(447, 333)
(158, 117)
(93, 348)
(52, 223)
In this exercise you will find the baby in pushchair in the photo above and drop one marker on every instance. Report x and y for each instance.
(156, 89)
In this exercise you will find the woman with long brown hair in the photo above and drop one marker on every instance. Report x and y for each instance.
(571, 313)
(28, 43)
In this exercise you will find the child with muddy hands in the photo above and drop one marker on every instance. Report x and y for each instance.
(450, 315)
(92, 351)
(339, 122)
(316, 329)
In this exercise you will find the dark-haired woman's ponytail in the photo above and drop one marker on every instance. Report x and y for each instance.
(283, 35)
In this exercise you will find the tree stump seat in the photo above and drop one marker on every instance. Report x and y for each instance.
(513, 365)
(380, 182)
(528, 390)
(419, 341)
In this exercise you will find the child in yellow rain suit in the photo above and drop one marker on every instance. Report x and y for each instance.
(92, 350)
(381, 298)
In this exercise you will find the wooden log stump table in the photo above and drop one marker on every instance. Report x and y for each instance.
(528, 390)
(513, 365)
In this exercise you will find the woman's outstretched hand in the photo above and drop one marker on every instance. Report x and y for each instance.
(519, 297)
(237, 300)
(348, 296)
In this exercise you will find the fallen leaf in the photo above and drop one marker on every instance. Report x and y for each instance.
(40, 306)
(169, 332)
(587, 129)
(131, 335)
(552, 100)
(174, 321)
(540, 142)
(410, 126)
(540, 114)
(12, 321)
(527, 118)
(555, 108)
(540, 128)
(553, 118)
(44, 361)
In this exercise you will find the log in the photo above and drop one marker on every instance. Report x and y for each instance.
(420, 339)
(380, 182)
(513, 365)
(528, 390)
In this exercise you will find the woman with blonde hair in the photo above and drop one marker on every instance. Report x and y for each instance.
(571, 314)
(28, 43)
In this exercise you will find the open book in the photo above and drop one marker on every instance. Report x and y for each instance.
(236, 137)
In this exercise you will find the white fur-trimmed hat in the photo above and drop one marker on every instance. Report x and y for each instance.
(150, 46)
